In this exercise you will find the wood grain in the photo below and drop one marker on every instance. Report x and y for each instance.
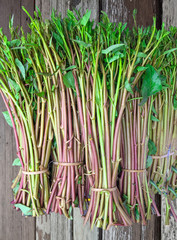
(122, 10)
(61, 6)
(81, 232)
(170, 12)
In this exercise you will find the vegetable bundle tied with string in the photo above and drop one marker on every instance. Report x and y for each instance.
(28, 114)
(89, 106)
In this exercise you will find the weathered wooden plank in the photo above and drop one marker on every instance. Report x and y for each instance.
(42, 223)
(24, 19)
(168, 231)
(53, 227)
(61, 6)
(61, 227)
(81, 232)
(122, 10)
(119, 233)
(170, 12)
(7, 9)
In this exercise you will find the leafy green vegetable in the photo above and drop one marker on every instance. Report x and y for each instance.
(7, 118)
(14, 84)
(140, 68)
(154, 110)
(68, 80)
(149, 161)
(170, 51)
(27, 211)
(16, 162)
(21, 67)
(111, 48)
(41, 94)
(76, 202)
(151, 83)
(86, 18)
(15, 189)
(82, 43)
(175, 101)
(152, 148)
(174, 169)
(115, 57)
(70, 68)
(153, 118)
(128, 87)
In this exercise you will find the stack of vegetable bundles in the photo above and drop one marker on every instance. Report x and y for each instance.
(93, 109)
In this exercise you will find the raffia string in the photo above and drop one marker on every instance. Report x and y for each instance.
(35, 172)
(134, 170)
(66, 164)
(163, 156)
(104, 189)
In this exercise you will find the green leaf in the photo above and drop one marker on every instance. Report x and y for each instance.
(21, 67)
(137, 215)
(170, 51)
(35, 84)
(48, 74)
(53, 88)
(152, 83)
(14, 84)
(127, 206)
(152, 148)
(82, 43)
(141, 55)
(140, 68)
(41, 94)
(128, 87)
(29, 60)
(76, 202)
(27, 211)
(115, 57)
(173, 191)
(154, 110)
(85, 18)
(11, 22)
(70, 212)
(68, 80)
(174, 169)
(168, 179)
(114, 207)
(175, 101)
(16, 162)
(70, 68)
(7, 118)
(124, 26)
(149, 161)
(153, 184)
(153, 118)
(14, 43)
(79, 180)
(15, 189)
(111, 48)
